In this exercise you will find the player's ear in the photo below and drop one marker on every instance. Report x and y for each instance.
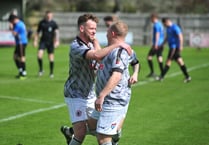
(113, 33)
(81, 28)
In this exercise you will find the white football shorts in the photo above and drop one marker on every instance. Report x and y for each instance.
(109, 120)
(79, 109)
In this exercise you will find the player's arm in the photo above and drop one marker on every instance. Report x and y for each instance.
(111, 84)
(181, 40)
(56, 38)
(157, 37)
(165, 40)
(10, 26)
(134, 77)
(179, 34)
(36, 36)
(14, 33)
(136, 68)
(98, 54)
(96, 44)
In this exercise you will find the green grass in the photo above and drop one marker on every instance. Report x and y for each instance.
(166, 113)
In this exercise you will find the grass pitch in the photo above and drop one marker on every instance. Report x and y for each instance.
(160, 113)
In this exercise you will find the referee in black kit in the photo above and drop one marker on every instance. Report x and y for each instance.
(49, 40)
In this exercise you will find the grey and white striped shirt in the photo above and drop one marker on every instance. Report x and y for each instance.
(80, 83)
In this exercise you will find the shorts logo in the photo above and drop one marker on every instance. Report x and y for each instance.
(101, 127)
(113, 125)
(78, 113)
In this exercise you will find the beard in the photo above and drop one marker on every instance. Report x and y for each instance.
(88, 38)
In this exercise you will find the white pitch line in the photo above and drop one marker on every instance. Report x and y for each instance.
(31, 112)
(26, 99)
(173, 74)
(62, 105)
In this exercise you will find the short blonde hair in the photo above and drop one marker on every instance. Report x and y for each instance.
(120, 28)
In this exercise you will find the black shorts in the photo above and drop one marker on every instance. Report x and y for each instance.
(157, 52)
(174, 54)
(20, 50)
(47, 45)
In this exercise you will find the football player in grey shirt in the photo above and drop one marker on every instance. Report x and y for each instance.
(79, 87)
(112, 86)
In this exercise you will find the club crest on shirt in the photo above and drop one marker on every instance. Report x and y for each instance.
(101, 66)
(50, 29)
(113, 125)
(96, 65)
(78, 113)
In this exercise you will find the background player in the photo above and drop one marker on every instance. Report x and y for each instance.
(175, 42)
(49, 40)
(108, 20)
(19, 31)
(157, 47)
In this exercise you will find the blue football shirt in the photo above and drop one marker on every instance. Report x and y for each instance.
(158, 28)
(172, 35)
(20, 29)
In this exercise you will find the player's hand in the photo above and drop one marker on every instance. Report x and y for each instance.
(126, 47)
(98, 104)
(35, 43)
(10, 26)
(133, 79)
(56, 44)
(155, 47)
(180, 48)
(96, 44)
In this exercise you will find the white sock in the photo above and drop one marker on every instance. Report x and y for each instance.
(107, 143)
(75, 142)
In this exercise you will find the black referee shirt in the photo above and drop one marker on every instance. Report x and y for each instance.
(48, 30)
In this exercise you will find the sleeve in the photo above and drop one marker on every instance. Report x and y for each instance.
(16, 28)
(79, 51)
(39, 27)
(133, 59)
(55, 26)
(157, 28)
(177, 30)
(120, 60)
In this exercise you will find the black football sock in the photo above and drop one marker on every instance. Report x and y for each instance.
(150, 66)
(40, 63)
(23, 64)
(161, 66)
(22, 69)
(51, 64)
(184, 70)
(165, 70)
(17, 63)
(116, 137)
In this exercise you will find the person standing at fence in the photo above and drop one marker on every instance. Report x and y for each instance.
(19, 31)
(174, 38)
(157, 47)
(49, 40)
